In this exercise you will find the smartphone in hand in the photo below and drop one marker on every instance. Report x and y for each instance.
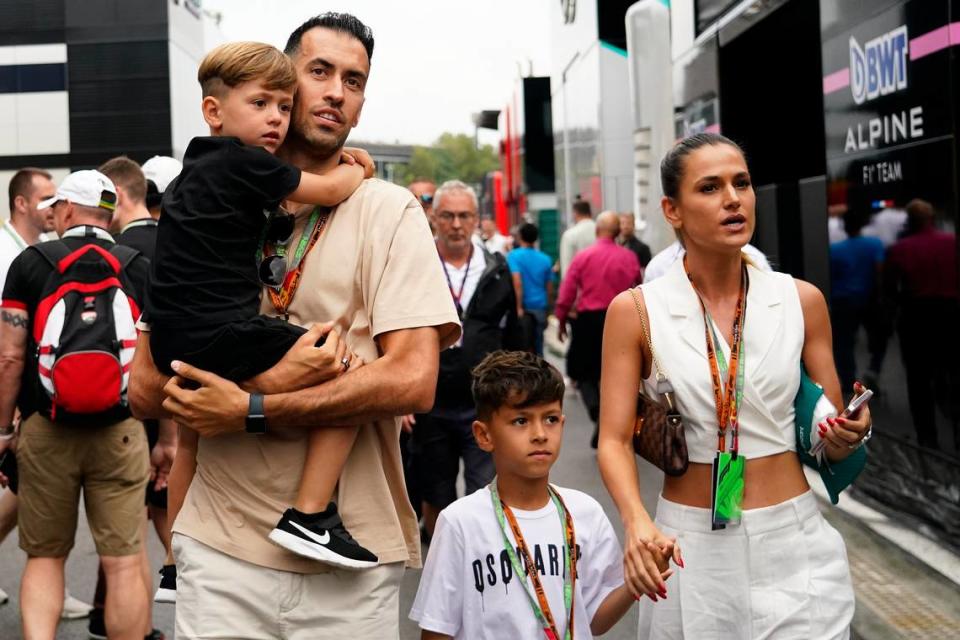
(857, 402)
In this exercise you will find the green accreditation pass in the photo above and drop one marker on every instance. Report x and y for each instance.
(727, 498)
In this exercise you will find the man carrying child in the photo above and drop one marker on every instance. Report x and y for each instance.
(372, 273)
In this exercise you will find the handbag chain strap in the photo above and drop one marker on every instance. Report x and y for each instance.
(646, 333)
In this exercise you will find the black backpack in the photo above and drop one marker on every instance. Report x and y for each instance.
(85, 330)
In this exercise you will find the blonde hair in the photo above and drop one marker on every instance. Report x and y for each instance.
(234, 63)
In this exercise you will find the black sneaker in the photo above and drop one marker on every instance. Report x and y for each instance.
(96, 627)
(321, 536)
(156, 634)
(167, 591)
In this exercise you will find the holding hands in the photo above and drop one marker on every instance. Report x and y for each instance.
(646, 561)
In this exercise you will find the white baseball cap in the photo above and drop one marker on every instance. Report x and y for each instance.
(88, 188)
(161, 170)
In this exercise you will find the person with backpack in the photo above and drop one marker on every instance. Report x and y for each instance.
(67, 336)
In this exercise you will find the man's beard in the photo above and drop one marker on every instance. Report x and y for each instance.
(319, 142)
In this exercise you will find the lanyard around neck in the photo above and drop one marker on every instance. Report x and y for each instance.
(540, 606)
(283, 295)
(457, 295)
(729, 396)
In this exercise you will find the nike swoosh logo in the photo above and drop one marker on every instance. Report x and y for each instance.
(323, 539)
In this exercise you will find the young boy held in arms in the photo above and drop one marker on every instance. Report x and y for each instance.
(220, 217)
(521, 558)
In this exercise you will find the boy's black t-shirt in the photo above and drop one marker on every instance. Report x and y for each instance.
(205, 271)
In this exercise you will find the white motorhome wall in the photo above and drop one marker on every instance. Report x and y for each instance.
(192, 34)
(652, 125)
(591, 115)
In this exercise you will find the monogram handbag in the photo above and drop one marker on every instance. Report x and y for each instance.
(658, 435)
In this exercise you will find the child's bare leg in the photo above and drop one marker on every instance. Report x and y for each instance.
(327, 451)
(181, 475)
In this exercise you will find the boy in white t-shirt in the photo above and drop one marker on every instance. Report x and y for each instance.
(473, 584)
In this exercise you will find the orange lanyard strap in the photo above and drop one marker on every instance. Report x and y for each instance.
(542, 606)
(282, 296)
(727, 398)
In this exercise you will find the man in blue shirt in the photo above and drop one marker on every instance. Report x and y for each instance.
(532, 272)
(855, 265)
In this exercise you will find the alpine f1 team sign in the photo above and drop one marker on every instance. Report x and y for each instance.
(886, 94)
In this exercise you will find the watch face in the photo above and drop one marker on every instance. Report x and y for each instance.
(256, 424)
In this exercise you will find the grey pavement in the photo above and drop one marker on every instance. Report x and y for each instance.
(896, 598)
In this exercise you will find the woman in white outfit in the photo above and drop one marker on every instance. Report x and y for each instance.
(722, 330)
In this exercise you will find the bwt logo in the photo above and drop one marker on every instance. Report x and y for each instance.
(880, 67)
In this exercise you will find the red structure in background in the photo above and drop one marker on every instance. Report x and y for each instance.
(494, 186)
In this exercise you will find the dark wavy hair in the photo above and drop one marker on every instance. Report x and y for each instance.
(516, 378)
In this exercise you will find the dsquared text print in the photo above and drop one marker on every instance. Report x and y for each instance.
(496, 569)
(15, 320)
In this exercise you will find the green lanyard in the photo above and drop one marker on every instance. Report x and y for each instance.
(281, 249)
(540, 606)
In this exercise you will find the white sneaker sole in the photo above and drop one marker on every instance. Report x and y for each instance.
(303, 548)
(165, 595)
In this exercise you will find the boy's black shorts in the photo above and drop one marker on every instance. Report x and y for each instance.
(236, 351)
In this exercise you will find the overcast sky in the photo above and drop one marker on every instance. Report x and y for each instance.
(435, 61)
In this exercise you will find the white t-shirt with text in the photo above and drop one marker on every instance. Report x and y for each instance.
(468, 588)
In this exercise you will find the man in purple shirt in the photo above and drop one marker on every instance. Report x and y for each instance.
(596, 275)
(921, 274)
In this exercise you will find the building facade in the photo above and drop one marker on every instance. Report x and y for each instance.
(81, 82)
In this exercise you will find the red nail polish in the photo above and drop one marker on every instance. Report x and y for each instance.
(680, 562)
(831, 421)
(637, 598)
(842, 420)
(652, 597)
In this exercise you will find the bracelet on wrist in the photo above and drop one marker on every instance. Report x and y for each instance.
(863, 440)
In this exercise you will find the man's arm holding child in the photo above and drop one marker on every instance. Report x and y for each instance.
(303, 366)
(145, 389)
(403, 380)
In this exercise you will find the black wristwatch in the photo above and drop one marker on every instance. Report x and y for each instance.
(256, 421)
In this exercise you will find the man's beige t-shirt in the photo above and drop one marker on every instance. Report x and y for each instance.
(374, 269)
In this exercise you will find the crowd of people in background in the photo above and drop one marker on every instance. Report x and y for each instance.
(895, 271)
(414, 331)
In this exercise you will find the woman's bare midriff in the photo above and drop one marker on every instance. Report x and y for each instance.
(767, 481)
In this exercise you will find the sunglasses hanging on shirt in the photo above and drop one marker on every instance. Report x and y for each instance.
(273, 268)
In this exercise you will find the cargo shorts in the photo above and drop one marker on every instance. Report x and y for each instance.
(109, 463)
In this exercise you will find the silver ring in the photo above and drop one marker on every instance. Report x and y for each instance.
(345, 362)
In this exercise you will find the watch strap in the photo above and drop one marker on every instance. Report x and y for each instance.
(256, 420)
